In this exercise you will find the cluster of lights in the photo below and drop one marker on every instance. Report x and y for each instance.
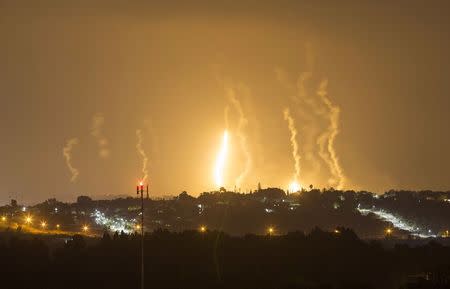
(398, 223)
(114, 224)
(28, 220)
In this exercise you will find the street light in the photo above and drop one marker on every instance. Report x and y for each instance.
(85, 228)
(43, 224)
(388, 231)
(3, 218)
(270, 230)
(28, 220)
(57, 226)
(202, 229)
(336, 231)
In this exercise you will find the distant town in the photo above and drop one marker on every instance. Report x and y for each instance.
(394, 214)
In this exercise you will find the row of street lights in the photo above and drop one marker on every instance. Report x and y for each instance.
(29, 220)
(270, 230)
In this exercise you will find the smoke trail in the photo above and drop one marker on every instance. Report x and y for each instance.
(143, 155)
(329, 136)
(242, 125)
(324, 155)
(96, 131)
(294, 144)
(152, 132)
(68, 157)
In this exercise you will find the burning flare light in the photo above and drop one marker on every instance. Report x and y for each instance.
(220, 163)
(294, 187)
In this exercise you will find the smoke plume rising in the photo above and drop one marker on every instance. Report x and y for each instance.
(96, 131)
(328, 137)
(294, 144)
(241, 134)
(67, 152)
(141, 151)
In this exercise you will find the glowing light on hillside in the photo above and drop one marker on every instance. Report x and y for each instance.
(294, 187)
(115, 224)
(220, 163)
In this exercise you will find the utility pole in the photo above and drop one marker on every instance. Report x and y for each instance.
(140, 189)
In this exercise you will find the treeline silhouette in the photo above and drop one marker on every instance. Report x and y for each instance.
(211, 259)
(240, 214)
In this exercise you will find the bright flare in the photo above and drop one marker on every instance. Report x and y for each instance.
(220, 163)
(294, 187)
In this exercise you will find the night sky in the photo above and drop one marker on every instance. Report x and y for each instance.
(98, 71)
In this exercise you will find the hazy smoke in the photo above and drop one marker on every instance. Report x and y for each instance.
(152, 132)
(67, 152)
(226, 111)
(143, 154)
(309, 131)
(294, 144)
(328, 138)
(241, 134)
(307, 108)
(96, 131)
(316, 142)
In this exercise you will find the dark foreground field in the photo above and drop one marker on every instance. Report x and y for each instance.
(214, 260)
